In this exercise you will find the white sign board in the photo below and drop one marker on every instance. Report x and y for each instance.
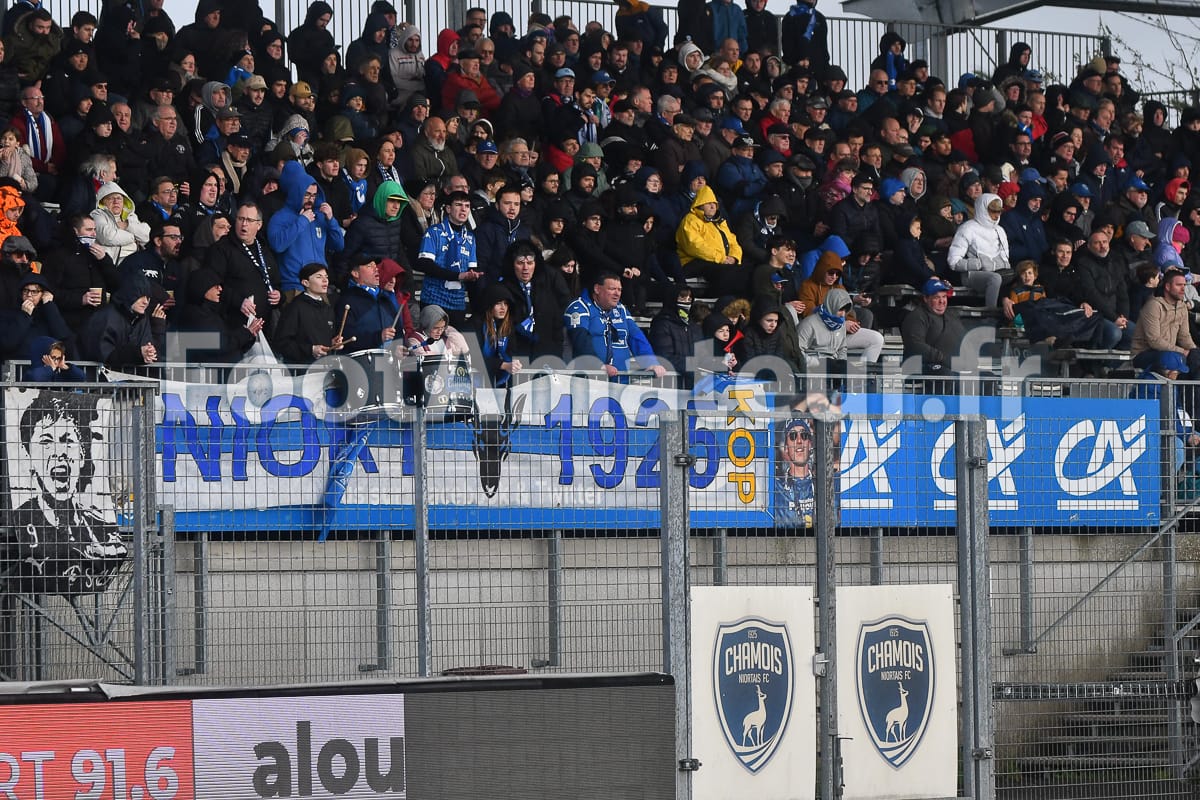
(897, 693)
(754, 716)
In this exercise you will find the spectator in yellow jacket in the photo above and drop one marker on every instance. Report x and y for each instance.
(708, 249)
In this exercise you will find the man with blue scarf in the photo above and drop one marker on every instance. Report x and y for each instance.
(372, 316)
(823, 334)
(806, 37)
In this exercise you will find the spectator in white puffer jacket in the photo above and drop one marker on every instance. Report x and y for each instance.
(980, 249)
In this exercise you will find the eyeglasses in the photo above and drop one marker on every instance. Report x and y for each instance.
(308, 195)
(31, 290)
(486, 52)
(175, 236)
(247, 220)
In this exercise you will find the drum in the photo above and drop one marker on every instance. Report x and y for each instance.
(443, 384)
(370, 384)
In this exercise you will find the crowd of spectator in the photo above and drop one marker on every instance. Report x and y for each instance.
(547, 187)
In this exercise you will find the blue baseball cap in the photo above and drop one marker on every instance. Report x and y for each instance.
(732, 124)
(1031, 175)
(1170, 360)
(487, 146)
(935, 285)
(1081, 190)
(601, 76)
(1136, 182)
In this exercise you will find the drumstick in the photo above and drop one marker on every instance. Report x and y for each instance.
(342, 327)
(396, 319)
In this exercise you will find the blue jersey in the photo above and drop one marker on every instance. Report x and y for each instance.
(611, 336)
(451, 249)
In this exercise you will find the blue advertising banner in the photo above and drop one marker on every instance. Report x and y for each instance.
(578, 454)
(1051, 461)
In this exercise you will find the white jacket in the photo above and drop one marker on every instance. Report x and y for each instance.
(979, 244)
(118, 242)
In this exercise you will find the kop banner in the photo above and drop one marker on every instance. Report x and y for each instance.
(754, 711)
(897, 694)
(540, 457)
(563, 452)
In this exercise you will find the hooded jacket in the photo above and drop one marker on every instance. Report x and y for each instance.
(707, 240)
(365, 45)
(1165, 254)
(741, 183)
(10, 199)
(115, 335)
(295, 240)
(1026, 233)
(118, 242)
(373, 232)
(438, 66)
(201, 315)
(1013, 68)
(980, 244)
(308, 43)
(816, 340)
(814, 290)
(782, 343)
(407, 69)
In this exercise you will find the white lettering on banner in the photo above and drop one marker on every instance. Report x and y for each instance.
(869, 445)
(1005, 446)
(1113, 454)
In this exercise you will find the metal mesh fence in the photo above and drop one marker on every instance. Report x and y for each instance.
(533, 535)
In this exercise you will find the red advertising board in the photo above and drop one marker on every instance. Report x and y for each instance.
(118, 751)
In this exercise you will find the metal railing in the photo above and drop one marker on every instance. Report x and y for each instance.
(1080, 632)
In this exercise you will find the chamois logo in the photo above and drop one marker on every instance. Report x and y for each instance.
(753, 680)
(895, 684)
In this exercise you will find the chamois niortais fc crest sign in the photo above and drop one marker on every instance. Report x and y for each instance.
(895, 673)
(753, 680)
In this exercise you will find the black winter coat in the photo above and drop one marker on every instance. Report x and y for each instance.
(550, 301)
(672, 339)
(71, 271)
(306, 321)
(369, 315)
(369, 235)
